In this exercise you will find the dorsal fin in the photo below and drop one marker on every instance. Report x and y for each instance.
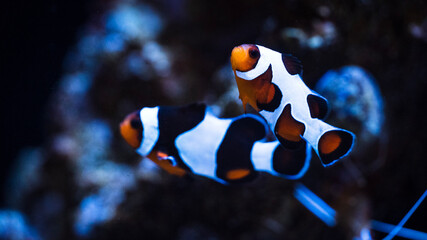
(318, 106)
(293, 64)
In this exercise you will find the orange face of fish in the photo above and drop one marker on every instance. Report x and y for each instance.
(131, 129)
(259, 90)
(244, 57)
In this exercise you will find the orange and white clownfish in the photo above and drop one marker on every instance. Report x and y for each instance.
(271, 83)
(191, 140)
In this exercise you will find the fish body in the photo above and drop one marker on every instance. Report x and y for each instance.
(191, 140)
(271, 83)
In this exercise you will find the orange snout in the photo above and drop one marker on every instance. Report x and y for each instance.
(131, 129)
(244, 57)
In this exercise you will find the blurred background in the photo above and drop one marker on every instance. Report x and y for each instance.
(71, 70)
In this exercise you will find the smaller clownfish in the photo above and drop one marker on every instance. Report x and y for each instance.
(191, 140)
(271, 83)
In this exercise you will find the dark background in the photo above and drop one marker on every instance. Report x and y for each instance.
(35, 38)
(37, 35)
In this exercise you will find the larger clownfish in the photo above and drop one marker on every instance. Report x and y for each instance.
(191, 140)
(271, 83)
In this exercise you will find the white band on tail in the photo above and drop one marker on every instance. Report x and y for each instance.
(150, 132)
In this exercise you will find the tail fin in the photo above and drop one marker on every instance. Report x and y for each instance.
(315, 204)
(329, 142)
(273, 158)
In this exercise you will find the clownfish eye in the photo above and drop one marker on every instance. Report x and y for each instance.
(254, 53)
(135, 124)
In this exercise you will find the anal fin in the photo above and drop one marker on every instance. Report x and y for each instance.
(334, 145)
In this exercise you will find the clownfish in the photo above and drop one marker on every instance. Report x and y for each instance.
(191, 140)
(271, 83)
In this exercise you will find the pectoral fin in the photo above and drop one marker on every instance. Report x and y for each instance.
(274, 97)
(159, 157)
(288, 130)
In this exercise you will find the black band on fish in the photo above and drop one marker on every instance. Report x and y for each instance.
(274, 103)
(292, 64)
(318, 106)
(136, 124)
(234, 154)
(172, 122)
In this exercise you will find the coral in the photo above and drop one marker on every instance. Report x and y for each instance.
(14, 226)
